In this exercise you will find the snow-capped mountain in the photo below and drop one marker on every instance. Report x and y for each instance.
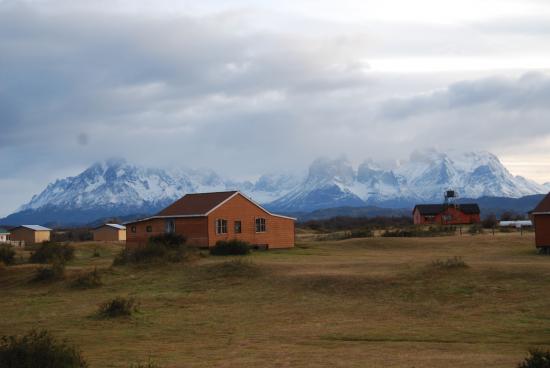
(117, 188)
(547, 186)
(424, 177)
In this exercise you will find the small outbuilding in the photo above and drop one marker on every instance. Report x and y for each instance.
(110, 232)
(446, 214)
(4, 235)
(206, 218)
(31, 234)
(541, 219)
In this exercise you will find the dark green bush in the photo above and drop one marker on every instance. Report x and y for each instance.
(450, 263)
(48, 251)
(170, 240)
(56, 271)
(88, 280)
(230, 247)
(475, 229)
(536, 359)
(148, 364)
(361, 233)
(420, 232)
(7, 254)
(118, 307)
(38, 350)
(168, 247)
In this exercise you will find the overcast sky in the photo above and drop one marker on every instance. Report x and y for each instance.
(253, 86)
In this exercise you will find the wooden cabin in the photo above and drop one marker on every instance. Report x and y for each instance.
(206, 218)
(541, 219)
(110, 233)
(31, 234)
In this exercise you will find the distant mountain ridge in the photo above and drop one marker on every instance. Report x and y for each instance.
(424, 177)
(116, 188)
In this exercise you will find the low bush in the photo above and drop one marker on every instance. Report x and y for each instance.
(234, 268)
(39, 350)
(475, 229)
(536, 359)
(449, 264)
(118, 307)
(88, 280)
(168, 247)
(7, 254)
(361, 233)
(230, 247)
(49, 251)
(420, 232)
(148, 364)
(56, 271)
(170, 240)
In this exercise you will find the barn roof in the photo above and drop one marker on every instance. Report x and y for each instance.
(543, 206)
(436, 209)
(35, 227)
(114, 226)
(197, 204)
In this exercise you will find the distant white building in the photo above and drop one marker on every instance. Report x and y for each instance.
(516, 224)
(4, 236)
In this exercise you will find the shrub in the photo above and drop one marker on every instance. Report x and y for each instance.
(148, 364)
(38, 350)
(48, 251)
(475, 229)
(7, 254)
(170, 240)
(118, 307)
(230, 247)
(450, 263)
(56, 271)
(536, 359)
(234, 268)
(88, 280)
(168, 247)
(361, 233)
(96, 253)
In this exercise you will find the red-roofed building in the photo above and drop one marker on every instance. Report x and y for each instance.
(451, 214)
(541, 219)
(205, 218)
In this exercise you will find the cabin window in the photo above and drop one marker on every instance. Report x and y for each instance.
(170, 226)
(149, 229)
(221, 226)
(238, 227)
(133, 229)
(260, 225)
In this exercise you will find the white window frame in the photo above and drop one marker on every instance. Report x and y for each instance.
(221, 225)
(261, 226)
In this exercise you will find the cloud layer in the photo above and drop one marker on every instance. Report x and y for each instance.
(248, 91)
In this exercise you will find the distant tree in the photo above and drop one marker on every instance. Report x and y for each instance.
(490, 221)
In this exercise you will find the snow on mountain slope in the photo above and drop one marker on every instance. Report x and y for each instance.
(116, 183)
(117, 187)
(424, 177)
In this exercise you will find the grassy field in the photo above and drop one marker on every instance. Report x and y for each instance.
(377, 302)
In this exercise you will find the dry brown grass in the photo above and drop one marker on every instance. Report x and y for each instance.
(375, 302)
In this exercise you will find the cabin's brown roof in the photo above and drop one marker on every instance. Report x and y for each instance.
(196, 204)
(544, 205)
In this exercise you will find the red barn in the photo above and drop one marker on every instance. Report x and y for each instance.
(205, 218)
(451, 214)
(541, 219)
